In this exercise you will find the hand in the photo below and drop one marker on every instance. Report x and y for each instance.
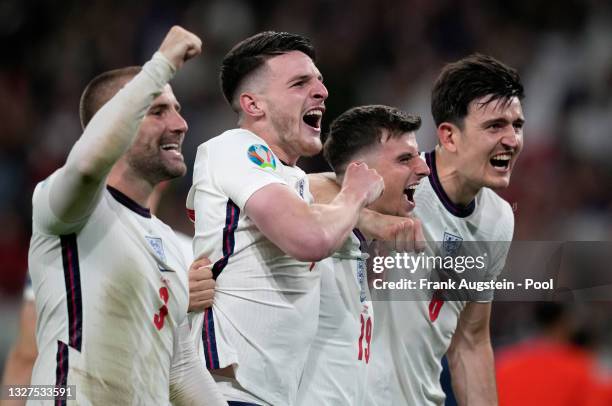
(401, 234)
(201, 285)
(359, 178)
(180, 45)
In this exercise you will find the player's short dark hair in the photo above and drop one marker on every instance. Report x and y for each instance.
(468, 79)
(363, 127)
(101, 89)
(251, 53)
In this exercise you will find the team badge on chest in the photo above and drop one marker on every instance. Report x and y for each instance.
(451, 243)
(158, 247)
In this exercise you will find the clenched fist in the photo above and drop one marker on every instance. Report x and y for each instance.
(362, 179)
(180, 45)
(201, 285)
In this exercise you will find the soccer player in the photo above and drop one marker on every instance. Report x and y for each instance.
(110, 279)
(476, 104)
(21, 358)
(383, 138)
(254, 220)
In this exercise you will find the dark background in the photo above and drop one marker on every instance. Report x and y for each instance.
(369, 52)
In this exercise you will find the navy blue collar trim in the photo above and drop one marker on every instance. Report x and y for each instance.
(362, 240)
(129, 203)
(456, 210)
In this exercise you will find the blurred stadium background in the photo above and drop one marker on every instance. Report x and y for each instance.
(380, 51)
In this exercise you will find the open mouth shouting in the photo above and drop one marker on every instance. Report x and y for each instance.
(501, 161)
(313, 118)
(409, 195)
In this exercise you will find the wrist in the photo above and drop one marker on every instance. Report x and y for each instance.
(353, 195)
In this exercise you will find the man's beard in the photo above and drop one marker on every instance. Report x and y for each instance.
(288, 131)
(154, 169)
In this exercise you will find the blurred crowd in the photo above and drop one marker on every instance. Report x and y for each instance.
(383, 51)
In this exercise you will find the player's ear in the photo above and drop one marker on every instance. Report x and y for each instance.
(447, 135)
(251, 105)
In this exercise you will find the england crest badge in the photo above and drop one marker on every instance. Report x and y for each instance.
(451, 243)
(158, 247)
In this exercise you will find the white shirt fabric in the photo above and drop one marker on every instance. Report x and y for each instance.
(266, 304)
(413, 333)
(28, 291)
(337, 365)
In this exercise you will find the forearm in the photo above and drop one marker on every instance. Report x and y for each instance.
(278, 212)
(473, 374)
(105, 139)
(190, 382)
(324, 189)
(337, 219)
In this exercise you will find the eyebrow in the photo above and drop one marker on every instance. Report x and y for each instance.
(304, 78)
(407, 155)
(165, 105)
(503, 120)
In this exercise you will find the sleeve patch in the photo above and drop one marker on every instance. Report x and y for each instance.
(261, 156)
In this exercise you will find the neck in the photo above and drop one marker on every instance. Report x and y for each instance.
(280, 149)
(457, 188)
(130, 184)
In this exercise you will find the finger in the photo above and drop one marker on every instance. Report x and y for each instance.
(203, 304)
(419, 236)
(198, 275)
(200, 262)
(409, 233)
(202, 296)
(200, 306)
(206, 284)
(194, 50)
(399, 239)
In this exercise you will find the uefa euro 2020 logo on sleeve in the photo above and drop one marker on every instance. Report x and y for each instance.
(261, 156)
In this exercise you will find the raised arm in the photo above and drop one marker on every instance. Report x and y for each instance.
(402, 233)
(313, 232)
(73, 191)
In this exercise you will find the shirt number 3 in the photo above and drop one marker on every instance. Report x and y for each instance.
(159, 317)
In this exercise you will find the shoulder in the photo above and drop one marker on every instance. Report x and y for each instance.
(498, 212)
(237, 144)
(233, 138)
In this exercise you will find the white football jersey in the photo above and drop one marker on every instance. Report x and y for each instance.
(336, 369)
(413, 333)
(266, 304)
(28, 291)
(108, 299)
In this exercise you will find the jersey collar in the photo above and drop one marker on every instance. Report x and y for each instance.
(129, 203)
(456, 210)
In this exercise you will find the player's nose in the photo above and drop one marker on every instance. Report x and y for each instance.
(177, 123)
(320, 91)
(421, 168)
(510, 140)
